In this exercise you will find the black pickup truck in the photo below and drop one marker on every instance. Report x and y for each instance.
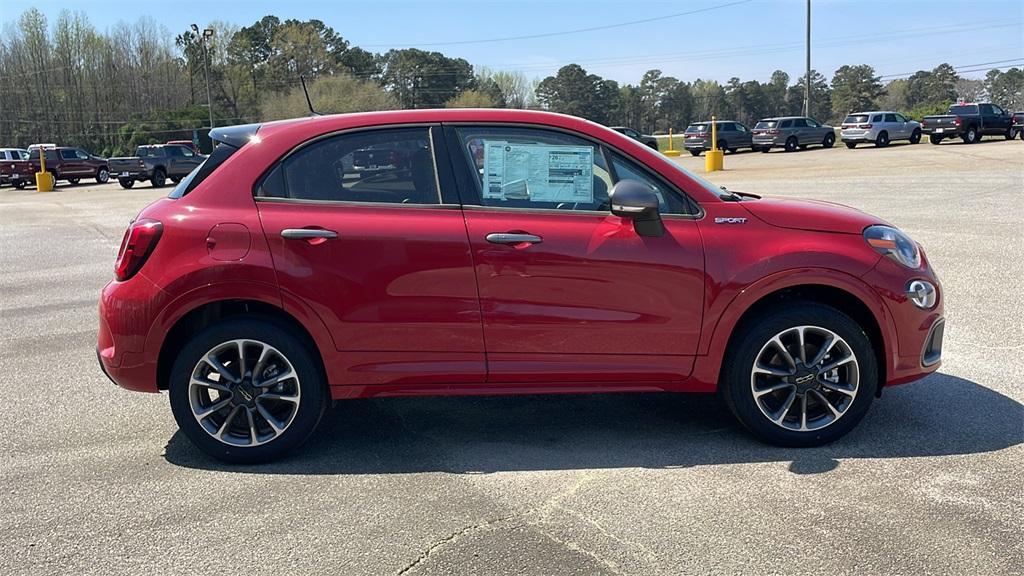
(156, 163)
(1018, 124)
(969, 122)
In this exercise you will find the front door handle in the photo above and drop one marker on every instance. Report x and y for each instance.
(308, 234)
(512, 238)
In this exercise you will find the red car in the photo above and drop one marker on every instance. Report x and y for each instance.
(516, 252)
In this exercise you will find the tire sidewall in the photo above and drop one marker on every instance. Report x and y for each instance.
(313, 388)
(792, 147)
(743, 352)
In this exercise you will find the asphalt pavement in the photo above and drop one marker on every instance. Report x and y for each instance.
(97, 480)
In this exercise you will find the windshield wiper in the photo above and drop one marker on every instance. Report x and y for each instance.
(734, 196)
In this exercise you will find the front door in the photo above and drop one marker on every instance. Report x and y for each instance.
(568, 292)
(380, 255)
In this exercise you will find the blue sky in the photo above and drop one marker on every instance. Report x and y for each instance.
(748, 39)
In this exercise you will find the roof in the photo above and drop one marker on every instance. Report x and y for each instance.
(782, 118)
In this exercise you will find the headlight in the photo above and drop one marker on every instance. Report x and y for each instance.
(895, 244)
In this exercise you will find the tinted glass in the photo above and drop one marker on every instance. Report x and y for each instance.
(766, 124)
(812, 123)
(696, 128)
(670, 202)
(856, 119)
(900, 118)
(176, 151)
(220, 154)
(890, 118)
(997, 110)
(148, 152)
(965, 109)
(798, 123)
(382, 166)
(537, 169)
(68, 154)
(82, 154)
(786, 124)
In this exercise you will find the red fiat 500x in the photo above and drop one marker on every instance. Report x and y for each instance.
(499, 252)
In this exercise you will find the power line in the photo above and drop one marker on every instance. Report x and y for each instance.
(566, 32)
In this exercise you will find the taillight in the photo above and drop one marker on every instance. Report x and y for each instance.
(774, 132)
(956, 121)
(139, 240)
(864, 126)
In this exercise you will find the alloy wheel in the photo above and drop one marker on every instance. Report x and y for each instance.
(244, 392)
(805, 378)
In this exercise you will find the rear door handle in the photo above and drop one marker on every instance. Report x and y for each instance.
(512, 238)
(308, 234)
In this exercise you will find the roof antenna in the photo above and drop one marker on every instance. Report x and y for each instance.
(308, 101)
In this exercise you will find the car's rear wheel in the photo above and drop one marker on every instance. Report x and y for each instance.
(915, 136)
(20, 184)
(829, 141)
(851, 145)
(102, 176)
(971, 136)
(934, 139)
(882, 140)
(1010, 134)
(801, 376)
(722, 146)
(74, 181)
(766, 149)
(694, 152)
(247, 390)
(175, 179)
(159, 178)
(126, 182)
(791, 144)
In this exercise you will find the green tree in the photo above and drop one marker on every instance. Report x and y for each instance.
(932, 88)
(1006, 88)
(775, 93)
(855, 88)
(335, 94)
(472, 99)
(821, 97)
(748, 100)
(709, 100)
(573, 91)
(421, 79)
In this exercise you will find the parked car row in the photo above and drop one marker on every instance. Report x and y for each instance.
(156, 163)
(878, 127)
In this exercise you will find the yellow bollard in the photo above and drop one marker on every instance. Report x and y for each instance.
(714, 158)
(671, 149)
(44, 180)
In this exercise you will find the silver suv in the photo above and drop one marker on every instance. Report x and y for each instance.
(879, 127)
(731, 136)
(792, 132)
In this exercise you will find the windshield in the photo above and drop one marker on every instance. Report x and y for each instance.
(763, 124)
(697, 128)
(856, 119)
(966, 109)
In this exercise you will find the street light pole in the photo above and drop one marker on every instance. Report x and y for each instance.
(807, 75)
(204, 38)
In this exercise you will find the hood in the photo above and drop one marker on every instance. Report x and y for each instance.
(812, 215)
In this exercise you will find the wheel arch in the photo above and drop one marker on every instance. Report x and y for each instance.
(832, 288)
(207, 314)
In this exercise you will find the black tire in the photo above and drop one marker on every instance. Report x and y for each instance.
(1021, 133)
(766, 149)
(971, 136)
(20, 184)
(175, 179)
(733, 150)
(915, 136)
(315, 396)
(722, 144)
(882, 140)
(74, 181)
(1010, 134)
(126, 183)
(829, 141)
(159, 178)
(851, 145)
(737, 368)
(792, 144)
(935, 138)
(694, 152)
(102, 175)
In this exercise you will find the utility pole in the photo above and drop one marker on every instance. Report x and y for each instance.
(807, 75)
(204, 38)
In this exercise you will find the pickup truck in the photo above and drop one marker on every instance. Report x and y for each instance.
(71, 164)
(15, 168)
(1018, 124)
(969, 122)
(156, 163)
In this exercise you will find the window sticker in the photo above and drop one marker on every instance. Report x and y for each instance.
(538, 172)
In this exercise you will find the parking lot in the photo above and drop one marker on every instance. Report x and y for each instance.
(95, 479)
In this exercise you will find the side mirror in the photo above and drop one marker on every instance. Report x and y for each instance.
(636, 201)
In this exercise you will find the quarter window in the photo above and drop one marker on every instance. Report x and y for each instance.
(382, 166)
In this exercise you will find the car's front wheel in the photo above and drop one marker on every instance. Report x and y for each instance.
(791, 144)
(247, 390)
(102, 176)
(829, 141)
(802, 376)
(915, 136)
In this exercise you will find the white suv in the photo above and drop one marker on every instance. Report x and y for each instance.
(880, 127)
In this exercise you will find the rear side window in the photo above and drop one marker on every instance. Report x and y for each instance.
(220, 153)
(68, 154)
(382, 166)
(890, 118)
(800, 123)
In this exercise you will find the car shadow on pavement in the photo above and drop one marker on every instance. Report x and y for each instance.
(938, 416)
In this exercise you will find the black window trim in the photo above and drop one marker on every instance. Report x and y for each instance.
(472, 201)
(446, 188)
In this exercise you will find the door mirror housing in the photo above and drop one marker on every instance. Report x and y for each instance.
(636, 201)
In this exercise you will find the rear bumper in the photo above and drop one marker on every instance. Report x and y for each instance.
(766, 142)
(126, 312)
(857, 136)
(944, 131)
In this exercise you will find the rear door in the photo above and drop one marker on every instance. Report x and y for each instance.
(382, 258)
(568, 292)
(743, 136)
